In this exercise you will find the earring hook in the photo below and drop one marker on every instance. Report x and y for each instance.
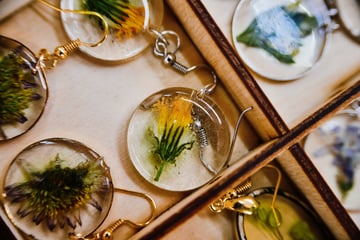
(83, 12)
(277, 186)
(107, 233)
(49, 60)
(164, 48)
(236, 199)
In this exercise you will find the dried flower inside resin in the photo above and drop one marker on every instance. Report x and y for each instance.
(287, 221)
(173, 134)
(343, 143)
(57, 193)
(122, 15)
(279, 31)
(17, 89)
(346, 149)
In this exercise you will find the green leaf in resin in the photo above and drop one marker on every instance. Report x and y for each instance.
(301, 231)
(174, 120)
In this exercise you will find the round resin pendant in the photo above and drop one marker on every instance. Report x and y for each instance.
(178, 140)
(128, 22)
(335, 151)
(281, 39)
(56, 187)
(23, 90)
(297, 220)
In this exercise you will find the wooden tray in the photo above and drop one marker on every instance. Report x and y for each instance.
(273, 130)
(279, 133)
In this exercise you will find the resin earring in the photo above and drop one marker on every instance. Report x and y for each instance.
(335, 150)
(269, 213)
(178, 138)
(59, 188)
(282, 39)
(23, 85)
(129, 24)
(297, 219)
(23, 91)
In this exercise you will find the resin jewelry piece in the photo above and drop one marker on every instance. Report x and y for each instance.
(335, 150)
(129, 22)
(23, 90)
(269, 213)
(178, 138)
(23, 86)
(60, 189)
(281, 39)
(55, 187)
(298, 221)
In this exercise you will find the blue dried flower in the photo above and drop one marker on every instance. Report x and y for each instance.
(279, 31)
(345, 147)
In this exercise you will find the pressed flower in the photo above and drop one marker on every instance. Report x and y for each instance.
(344, 145)
(17, 89)
(347, 157)
(121, 15)
(173, 122)
(57, 193)
(279, 31)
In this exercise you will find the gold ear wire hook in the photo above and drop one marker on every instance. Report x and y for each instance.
(107, 234)
(237, 201)
(83, 12)
(277, 186)
(233, 197)
(163, 49)
(50, 60)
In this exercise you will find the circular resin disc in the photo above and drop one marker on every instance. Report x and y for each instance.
(113, 48)
(340, 134)
(292, 212)
(28, 85)
(276, 29)
(82, 169)
(205, 139)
